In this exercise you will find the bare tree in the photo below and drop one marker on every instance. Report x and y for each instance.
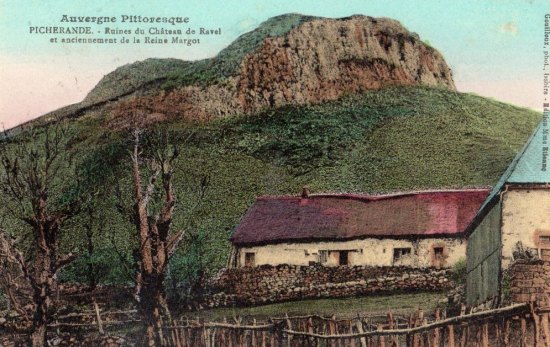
(33, 173)
(94, 225)
(152, 215)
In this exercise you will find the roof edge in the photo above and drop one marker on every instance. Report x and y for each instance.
(309, 240)
(375, 197)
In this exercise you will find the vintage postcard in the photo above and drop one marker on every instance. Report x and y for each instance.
(254, 173)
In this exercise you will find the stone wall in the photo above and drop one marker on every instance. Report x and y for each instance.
(529, 279)
(268, 284)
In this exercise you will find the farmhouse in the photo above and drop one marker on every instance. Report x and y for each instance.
(417, 229)
(513, 222)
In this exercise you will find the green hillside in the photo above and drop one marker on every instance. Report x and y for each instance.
(397, 138)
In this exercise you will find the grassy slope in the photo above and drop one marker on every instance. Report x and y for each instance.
(392, 139)
(433, 138)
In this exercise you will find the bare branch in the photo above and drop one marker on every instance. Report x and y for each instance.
(173, 242)
(11, 287)
(151, 185)
(66, 259)
(13, 255)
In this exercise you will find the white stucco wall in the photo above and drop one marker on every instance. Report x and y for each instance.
(523, 213)
(373, 252)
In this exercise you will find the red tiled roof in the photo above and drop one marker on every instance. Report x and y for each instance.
(346, 216)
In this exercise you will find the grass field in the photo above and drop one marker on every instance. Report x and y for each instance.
(399, 304)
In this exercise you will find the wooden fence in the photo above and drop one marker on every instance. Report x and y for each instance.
(516, 325)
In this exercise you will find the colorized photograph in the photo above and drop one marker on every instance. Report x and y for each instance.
(274, 174)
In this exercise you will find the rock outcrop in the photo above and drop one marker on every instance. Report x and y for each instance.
(316, 61)
(326, 58)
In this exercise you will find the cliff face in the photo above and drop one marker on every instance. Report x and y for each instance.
(318, 60)
(325, 58)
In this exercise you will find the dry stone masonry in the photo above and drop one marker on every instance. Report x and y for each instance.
(268, 284)
(529, 280)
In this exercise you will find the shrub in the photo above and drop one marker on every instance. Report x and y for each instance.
(458, 272)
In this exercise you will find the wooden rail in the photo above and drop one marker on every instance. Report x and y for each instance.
(515, 325)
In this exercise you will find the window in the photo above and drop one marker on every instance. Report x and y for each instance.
(399, 253)
(439, 255)
(542, 239)
(323, 257)
(249, 259)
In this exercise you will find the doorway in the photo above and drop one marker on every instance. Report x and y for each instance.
(343, 258)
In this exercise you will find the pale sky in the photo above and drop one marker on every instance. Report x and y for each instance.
(494, 47)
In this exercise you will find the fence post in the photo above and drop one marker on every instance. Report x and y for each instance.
(507, 333)
(352, 342)
(275, 333)
(411, 337)
(174, 333)
(451, 336)
(240, 333)
(535, 321)
(545, 332)
(310, 330)
(183, 334)
(418, 322)
(332, 330)
(523, 331)
(98, 318)
(272, 333)
(393, 339)
(223, 334)
(206, 333)
(436, 331)
(263, 339)
(465, 330)
(254, 341)
(289, 328)
(359, 324)
(485, 334)
(381, 339)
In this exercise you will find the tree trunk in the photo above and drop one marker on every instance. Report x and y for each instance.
(44, 282)
(151, 307)
(42, 301)
(156, 242)
(38, 336)
(40, 318)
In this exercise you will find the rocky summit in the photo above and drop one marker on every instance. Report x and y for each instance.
(290, 59)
